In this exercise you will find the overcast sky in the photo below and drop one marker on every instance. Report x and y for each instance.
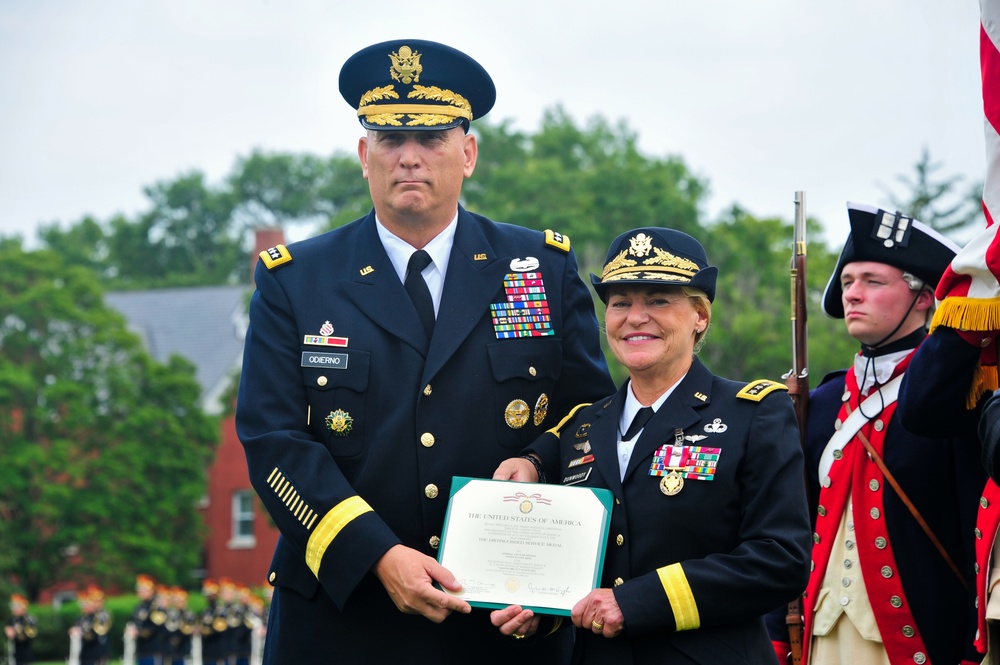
(99, 98)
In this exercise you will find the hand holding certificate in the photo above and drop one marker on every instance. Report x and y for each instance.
(534, 545)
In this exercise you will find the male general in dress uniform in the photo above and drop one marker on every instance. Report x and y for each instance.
(893, 553)
(383, 358)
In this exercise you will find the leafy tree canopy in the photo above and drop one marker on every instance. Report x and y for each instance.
(104, 450)
(948, 205)
(590, 182)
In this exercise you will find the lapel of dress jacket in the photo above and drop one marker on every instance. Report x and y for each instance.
(604, 439)
(377, 292)
(678, 412)
(474, 280)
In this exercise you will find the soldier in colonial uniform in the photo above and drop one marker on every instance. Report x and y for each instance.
(387, 356)
(92, 628)
(21, 630)
(710, 527)
(893, 553)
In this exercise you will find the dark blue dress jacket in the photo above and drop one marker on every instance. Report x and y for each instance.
(695, 572)
(352, 448)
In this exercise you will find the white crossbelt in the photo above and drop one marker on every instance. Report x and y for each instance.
(882, 398)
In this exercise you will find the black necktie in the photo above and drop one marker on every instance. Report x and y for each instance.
(417, 288)
(640, 420)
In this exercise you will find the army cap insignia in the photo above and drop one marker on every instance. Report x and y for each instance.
(405, 65)
(656, 256)
(415, 84)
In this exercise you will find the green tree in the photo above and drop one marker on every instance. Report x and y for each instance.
(186, 239)
(944, 204)
(590, 183)
(104, 450)
(751, 334)
(196, 233)
(280, 189)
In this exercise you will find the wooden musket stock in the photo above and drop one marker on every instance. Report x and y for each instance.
(797, 380)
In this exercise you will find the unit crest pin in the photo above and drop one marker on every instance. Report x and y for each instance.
(339, 422)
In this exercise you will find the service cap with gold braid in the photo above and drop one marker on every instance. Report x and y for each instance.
(413, 84)
(656, 255)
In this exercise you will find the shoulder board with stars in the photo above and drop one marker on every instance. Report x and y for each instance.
(759, 389)
(557, 240)
(275, 256)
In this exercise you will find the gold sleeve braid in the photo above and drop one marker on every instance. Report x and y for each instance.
(682, 602)
(330, 527)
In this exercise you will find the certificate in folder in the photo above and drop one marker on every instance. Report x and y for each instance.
(529, 544)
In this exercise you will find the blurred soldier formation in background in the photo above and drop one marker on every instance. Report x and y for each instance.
(20, 630)
(162, 630)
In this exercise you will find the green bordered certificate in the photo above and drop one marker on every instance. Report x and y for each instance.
(538, 546)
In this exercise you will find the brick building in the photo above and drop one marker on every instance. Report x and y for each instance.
(206, 325)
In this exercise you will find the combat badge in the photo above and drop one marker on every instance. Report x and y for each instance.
(541, 409)
(339, 422)
(527, 264)
(516, 414)
(716, 426)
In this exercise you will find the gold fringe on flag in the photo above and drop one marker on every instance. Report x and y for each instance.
(983, 381)
(961, 313)
(976, 315)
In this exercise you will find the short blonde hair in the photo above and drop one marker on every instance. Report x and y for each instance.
(702, 304)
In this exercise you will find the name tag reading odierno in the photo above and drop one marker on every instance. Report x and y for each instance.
(330, 360)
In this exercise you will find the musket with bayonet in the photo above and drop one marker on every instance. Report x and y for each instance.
(797, 380)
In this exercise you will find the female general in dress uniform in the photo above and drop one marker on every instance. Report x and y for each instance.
(710, 528)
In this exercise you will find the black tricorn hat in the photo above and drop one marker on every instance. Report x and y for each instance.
(656, 255)
(413, 84)
(893, 239)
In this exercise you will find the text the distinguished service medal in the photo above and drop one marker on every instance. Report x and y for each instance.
(529, 544)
